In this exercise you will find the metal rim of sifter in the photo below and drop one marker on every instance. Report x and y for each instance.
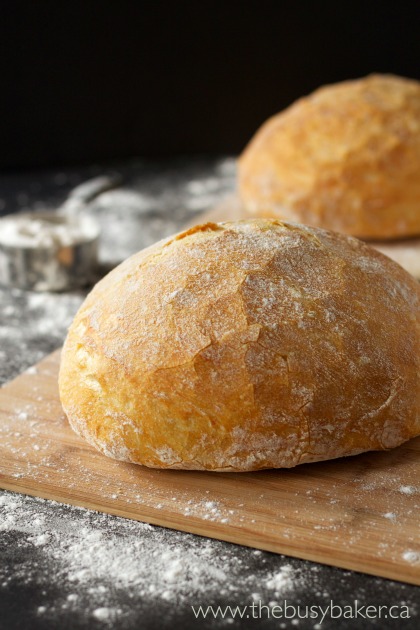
(47, 251)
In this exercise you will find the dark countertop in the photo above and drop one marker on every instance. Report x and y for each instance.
(65, 567)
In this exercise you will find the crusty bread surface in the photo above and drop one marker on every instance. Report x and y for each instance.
(345, 158)
(406, 252)
(246, 345)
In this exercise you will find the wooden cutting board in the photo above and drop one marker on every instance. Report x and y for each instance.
(360, 513)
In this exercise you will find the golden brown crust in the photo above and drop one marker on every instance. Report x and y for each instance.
(247, 345)
(345, 158)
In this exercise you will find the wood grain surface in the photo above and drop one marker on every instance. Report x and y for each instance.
(359, 513)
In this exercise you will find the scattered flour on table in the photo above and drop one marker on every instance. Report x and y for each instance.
(31, 326)
(95, 557)
(106, 614)
(111, 570)
(282, 580)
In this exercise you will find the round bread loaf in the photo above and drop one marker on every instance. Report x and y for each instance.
(345, 158)
(246, 345)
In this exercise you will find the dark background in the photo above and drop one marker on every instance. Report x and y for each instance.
(88, 80)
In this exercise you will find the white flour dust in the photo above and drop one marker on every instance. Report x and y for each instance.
(95, 557)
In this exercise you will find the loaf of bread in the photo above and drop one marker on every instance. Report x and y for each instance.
(246, 345)
(345, 158)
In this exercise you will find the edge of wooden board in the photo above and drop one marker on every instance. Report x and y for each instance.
(210, 530)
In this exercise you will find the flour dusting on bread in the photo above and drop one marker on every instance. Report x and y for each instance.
(246, 345)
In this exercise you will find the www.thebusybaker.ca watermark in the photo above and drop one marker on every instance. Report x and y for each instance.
(316, 612)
